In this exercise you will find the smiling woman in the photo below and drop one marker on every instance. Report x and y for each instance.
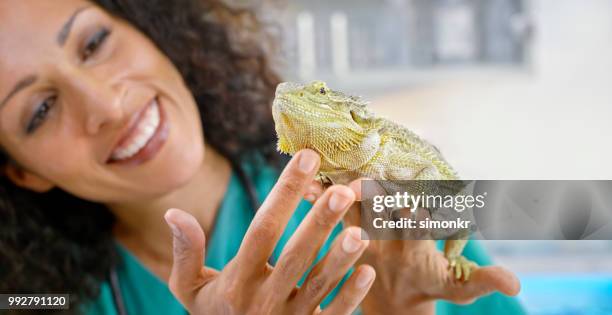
(114, 112)
(98, 100)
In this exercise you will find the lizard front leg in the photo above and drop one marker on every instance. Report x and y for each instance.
(328, 178)
(459, 266)
(323, 179)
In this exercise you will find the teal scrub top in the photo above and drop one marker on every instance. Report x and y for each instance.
(144, 293)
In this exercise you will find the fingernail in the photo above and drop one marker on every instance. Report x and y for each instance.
(307, 162)
(179, 241)
(352, 242)
(310, 197)
(364, 278)
(338, 202)
(175, 230)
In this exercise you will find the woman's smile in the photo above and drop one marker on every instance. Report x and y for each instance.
(147, 132)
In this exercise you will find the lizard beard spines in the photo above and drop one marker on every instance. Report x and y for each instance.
(283, 146)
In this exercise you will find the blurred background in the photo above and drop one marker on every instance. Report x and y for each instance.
(507, 89)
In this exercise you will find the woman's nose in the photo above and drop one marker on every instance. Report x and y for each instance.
(108, 112)
(100, 102)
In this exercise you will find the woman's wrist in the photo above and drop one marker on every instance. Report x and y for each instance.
(375, 304)
(398, 288)
(384, 301)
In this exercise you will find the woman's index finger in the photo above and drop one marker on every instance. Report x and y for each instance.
(273, 215)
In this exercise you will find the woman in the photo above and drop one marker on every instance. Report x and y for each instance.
(114, 111)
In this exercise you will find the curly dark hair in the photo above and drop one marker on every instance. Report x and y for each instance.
(55, 242)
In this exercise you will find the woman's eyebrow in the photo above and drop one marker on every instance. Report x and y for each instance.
(64, 32)
(22, 84)
(62, 36)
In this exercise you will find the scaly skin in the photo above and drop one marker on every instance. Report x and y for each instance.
(353, 142)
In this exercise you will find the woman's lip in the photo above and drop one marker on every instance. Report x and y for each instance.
(132, 125)
(153, 145)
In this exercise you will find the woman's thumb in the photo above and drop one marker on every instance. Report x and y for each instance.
(188, 273)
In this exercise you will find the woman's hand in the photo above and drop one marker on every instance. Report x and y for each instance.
(248, 284)
(412, 274)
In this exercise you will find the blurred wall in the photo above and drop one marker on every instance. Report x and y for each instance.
(506, 88)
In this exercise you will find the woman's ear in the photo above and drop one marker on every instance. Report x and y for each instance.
(26, 179)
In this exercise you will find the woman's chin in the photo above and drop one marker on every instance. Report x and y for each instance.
(179, 168)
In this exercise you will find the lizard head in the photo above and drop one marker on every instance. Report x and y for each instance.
(317, 117)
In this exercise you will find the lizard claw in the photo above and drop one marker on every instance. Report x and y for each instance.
(461, 268)
(324, 180)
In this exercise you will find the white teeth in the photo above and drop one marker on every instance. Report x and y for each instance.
(141, 135)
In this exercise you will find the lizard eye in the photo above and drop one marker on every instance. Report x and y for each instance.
(322, 90)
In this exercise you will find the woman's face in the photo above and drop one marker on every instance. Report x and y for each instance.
(91, 105)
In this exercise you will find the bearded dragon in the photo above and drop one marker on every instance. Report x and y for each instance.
(353, 143)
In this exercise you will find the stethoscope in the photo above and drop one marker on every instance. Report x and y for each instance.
(113, 276)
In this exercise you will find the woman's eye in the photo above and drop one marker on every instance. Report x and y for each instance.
(40, 114)
(94, 42)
